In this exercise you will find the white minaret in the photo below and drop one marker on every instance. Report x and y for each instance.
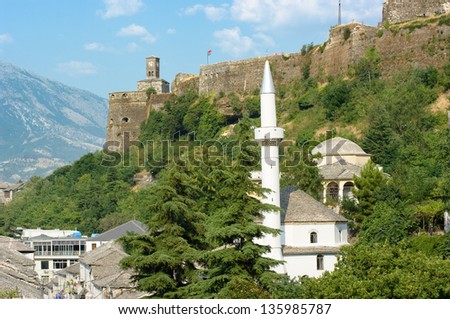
(269, 136)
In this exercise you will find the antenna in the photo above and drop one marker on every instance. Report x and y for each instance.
(339, 14)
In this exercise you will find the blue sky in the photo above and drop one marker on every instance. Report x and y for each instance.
(101, 45)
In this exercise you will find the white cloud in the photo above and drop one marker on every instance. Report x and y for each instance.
(77, 68)
(117, 8)
(135, 30)
(171, 31)
(94, 46)
(5, 38)
(270, 14)
(212, 13)
(233, 42)
(133, 47)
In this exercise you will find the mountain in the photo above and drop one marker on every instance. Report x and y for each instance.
(45, 124)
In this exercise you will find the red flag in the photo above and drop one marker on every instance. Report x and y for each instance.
(209, 52)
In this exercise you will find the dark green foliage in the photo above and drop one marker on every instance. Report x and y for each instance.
(367, 191)
(347, 33)
(380, 140)
(73, 197)
(368, 68)
(382, 271)
(334, 97)
(164, 259)
(390, 223)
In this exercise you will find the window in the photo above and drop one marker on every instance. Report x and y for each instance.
(59, 264)
(319, 262)
(348, 189)
(313, 237)
(333, 191)
(44, 264)
(94, 246)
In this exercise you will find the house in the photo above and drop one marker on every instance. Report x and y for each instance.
(131, 227)
(341, 159)
(17, 273)
(53, 250)
(312, 234)
(7, 190)
(67, 283)
(102, 277)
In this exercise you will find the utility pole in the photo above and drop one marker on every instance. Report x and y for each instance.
(339, 14)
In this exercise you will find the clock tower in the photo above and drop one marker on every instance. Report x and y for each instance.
(152, 67)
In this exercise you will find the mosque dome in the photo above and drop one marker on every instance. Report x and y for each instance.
(338, 146)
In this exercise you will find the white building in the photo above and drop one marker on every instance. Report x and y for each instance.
(341, 159)
(52, 254)
(311, 233)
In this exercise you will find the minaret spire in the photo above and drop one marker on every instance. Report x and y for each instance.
(269, 136)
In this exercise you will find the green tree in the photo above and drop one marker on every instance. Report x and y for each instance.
(234, 258)
(367, 191)
(380, 141)
(165, 258)
(382, 271)
(390, 222)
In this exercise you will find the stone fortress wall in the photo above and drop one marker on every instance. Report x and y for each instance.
(347, 44)
(395, 11)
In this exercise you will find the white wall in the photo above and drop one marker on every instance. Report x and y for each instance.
(298, 235)
(301, 265)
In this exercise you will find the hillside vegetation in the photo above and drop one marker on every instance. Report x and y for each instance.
(202, 154)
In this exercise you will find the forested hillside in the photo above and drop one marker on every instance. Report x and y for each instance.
(201, 152)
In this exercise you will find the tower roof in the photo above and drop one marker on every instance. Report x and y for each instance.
(267, 86)
(299, 207)
(338, 146)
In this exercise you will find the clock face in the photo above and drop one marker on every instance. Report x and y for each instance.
(150, 63)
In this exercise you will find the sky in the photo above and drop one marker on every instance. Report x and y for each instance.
(101, 45)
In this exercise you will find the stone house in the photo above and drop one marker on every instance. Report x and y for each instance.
(102, 277)
(17, 270)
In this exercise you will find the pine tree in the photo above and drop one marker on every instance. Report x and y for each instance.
(165, 258)
(234, 259)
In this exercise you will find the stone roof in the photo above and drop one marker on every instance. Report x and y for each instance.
(131, 227)
(105, 265)
(289, 250)
(16, 270)
(339, 171)
(8, 242)
(299, 207)
(338, 146)
(104, 255)
(10, 187)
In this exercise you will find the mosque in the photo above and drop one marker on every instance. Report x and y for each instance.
(311, 233)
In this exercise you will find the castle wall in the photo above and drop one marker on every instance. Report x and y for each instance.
(127, 111)
(245, 76)
(395, 11)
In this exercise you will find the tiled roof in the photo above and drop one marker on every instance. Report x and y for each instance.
(289, 250)
(8, 242)
(131, 227)
(16, 270)
(339, 171)
(299, 207)
(338, 146)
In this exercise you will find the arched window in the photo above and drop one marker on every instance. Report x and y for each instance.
(333, 191)
(348, 189)
(125, 119)
(313, 237)
(319, 262)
